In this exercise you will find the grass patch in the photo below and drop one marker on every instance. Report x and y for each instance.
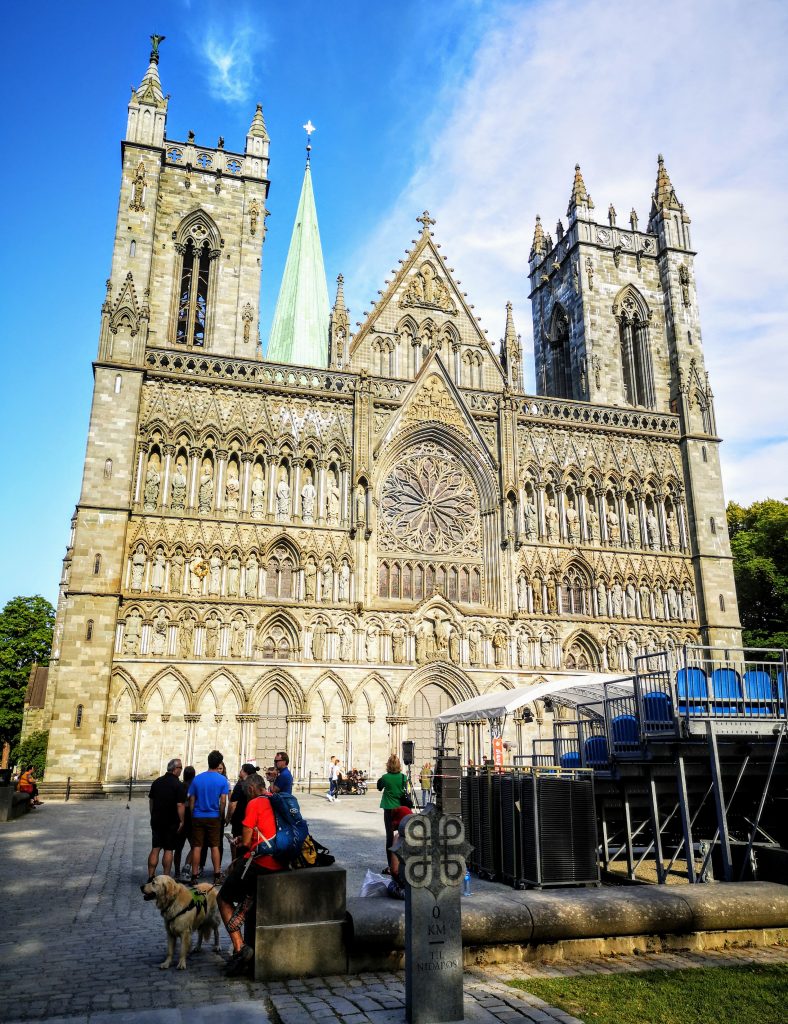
(698, 995)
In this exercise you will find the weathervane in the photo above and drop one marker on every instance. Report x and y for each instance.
(309, 128)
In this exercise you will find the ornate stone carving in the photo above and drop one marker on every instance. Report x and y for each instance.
(159, 641)
(319, 642)
(232, 490)
(427, 289)
(176, 572)
(433, 402)
(308, 497)
(251, 576)
(152, 483)
(429, 504)
(138, 189)
(258, 495)
(158, 570)
(398, 644)
(132, 634)
(186, 637)
(572, 524)
(138, 561)
(206, 488)
(178, 488)
(332, 501)
(282, 499)
(310, 580)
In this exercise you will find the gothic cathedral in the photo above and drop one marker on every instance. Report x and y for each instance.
(322, 549)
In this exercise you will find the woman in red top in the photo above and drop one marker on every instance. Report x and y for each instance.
(237, 895)
(27, 784)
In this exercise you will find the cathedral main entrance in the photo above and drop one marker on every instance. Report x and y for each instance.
(271, 728)
(428, 702)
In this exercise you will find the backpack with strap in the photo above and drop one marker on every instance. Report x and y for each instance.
(312, 855)
(291, 830)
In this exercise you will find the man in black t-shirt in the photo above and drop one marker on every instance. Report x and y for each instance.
(167, 801)
(238, 801)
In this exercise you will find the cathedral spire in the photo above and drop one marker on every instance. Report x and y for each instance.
(511, 352)
(339, 302)
(148, 104)
(257, 129)
(579, 197)
(664, 197)
(150, 92)
(301, 319)
(538, 246)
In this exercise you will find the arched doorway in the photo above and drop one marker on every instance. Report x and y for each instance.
(271, 728)
(428, 702)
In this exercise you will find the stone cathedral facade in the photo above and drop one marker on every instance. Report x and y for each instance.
(321, 558)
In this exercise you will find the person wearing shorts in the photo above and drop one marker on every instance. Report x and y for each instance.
(167, 801)
(207, 801)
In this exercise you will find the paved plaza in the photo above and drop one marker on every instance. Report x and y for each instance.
(79, 944)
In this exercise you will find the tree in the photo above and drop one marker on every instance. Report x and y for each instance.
(26, 625)
(32, 750)
(759, 541)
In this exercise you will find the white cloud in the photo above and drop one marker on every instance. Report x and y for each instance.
(609, 83)
(230, 55)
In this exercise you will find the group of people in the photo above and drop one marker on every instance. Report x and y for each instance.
(199, 809)
(355, 782)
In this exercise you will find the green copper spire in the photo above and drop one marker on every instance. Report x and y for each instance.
(300, 329)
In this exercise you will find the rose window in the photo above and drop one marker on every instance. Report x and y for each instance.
(429, 503)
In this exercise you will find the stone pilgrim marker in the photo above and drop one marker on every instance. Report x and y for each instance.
(433, 852)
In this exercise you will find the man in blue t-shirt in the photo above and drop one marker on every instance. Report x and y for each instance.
(283, 783)
(207, 800)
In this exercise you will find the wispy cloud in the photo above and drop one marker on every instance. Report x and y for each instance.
(601, 82)
(230, 54)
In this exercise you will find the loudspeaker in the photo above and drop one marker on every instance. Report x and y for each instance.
(408, 752)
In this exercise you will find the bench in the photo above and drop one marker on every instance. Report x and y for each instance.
(13, 804)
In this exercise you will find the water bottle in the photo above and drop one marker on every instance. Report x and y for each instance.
(466, 883)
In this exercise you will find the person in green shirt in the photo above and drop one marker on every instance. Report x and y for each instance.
(393, 786)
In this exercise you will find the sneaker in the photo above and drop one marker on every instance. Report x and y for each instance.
(239, 962)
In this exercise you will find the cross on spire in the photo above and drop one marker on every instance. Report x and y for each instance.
(309, 128)
(425, 220)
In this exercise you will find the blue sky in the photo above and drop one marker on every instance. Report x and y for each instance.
(475, 110)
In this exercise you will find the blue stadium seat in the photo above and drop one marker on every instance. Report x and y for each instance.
(727, 690)
(657, 711)
(625, 733)
(692, 689)
(760, 696)
(596, 753)
(570, 759)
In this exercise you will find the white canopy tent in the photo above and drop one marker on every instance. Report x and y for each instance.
(581, 688)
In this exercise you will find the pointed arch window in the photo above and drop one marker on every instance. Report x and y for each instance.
(193, 294)
(558, 357)
(638, 375)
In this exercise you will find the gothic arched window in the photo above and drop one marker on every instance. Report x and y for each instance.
(558, 356)
(633, 319)
(193, 294)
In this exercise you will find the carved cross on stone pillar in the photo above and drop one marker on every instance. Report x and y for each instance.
(425, 220)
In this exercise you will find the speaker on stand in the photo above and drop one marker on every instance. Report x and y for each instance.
(408, 757)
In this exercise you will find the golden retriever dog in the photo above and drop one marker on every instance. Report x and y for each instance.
(185, 911)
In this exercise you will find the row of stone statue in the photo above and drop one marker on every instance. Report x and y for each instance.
(197, 575)
(232, 499)
(648, 539)
(617, 600)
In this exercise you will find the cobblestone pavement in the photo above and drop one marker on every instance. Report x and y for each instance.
(79, 944)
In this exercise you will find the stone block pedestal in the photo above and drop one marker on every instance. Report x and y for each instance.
(300, 928)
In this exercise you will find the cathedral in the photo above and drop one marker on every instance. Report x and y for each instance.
(320, 549)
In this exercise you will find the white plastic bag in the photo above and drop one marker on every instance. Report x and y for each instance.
(374, 884)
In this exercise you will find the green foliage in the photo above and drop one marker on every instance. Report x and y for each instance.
(32, 750)
(747, 995)
(26, 625)
(759, 541)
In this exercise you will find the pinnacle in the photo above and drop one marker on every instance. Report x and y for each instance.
(664, 193)
(579, 193)
(339, 302)
(150, 91)
(510, 335)
(257, 127)
(538, 246)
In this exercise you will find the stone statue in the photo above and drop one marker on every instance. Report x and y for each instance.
(545, 650)
(572, 524)
(310, 580)
(686, 601)
(529, 513)
(421, 643)
(522, 593)
(616, 599)
(670, 530)
(258, 497)
(345, 642)
(251, 576)
(632, 529)
(537, 596)
(592, 524)
(176, 572)
(215, 578)
(601, 598)
(673, 602)
(613, 531)
(319, 642)
(632, 650)
(160, 627)
(237, 637)
(232, 492)
(158, 571)
(197, 570)
(151, 493)
(371, 644)
(327, 582)
(333, 500)
(499, 643)
(645, 601)
(474, 645)
(205, 496)
(282, 499)
(652, 529)
(233, 574)
(630, 600)
(308, 498)
(344, 582)
(442, 634)
(454, 647)
(138, 561)
(132, 634)
(659, 603)
(398, 645)
(552, 604)
(509, 520)
(186, 637)
(522, 650)
(551, 521)
(361, 506)
(212, 637)
(612, 653)
(178, 490)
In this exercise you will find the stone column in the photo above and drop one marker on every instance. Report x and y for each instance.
(221, 472)
(601, 511)
(143, 451)
(622, 517)
(190, 721)
(580, 505)
(344, 494)
(348, 721)
(561, 506)
(540, 524)
(271, 486)
(137, 718)
(194, 472)
(169, 451)
(112, 721)
(455, 348)
(659, 498)
(641, 513)
(321, 491)
(296, 489)
(246, 476)
(682, 521)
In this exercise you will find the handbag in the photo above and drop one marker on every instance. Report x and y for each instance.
(405, 800)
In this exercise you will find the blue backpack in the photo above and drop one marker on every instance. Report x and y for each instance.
(291, 830)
